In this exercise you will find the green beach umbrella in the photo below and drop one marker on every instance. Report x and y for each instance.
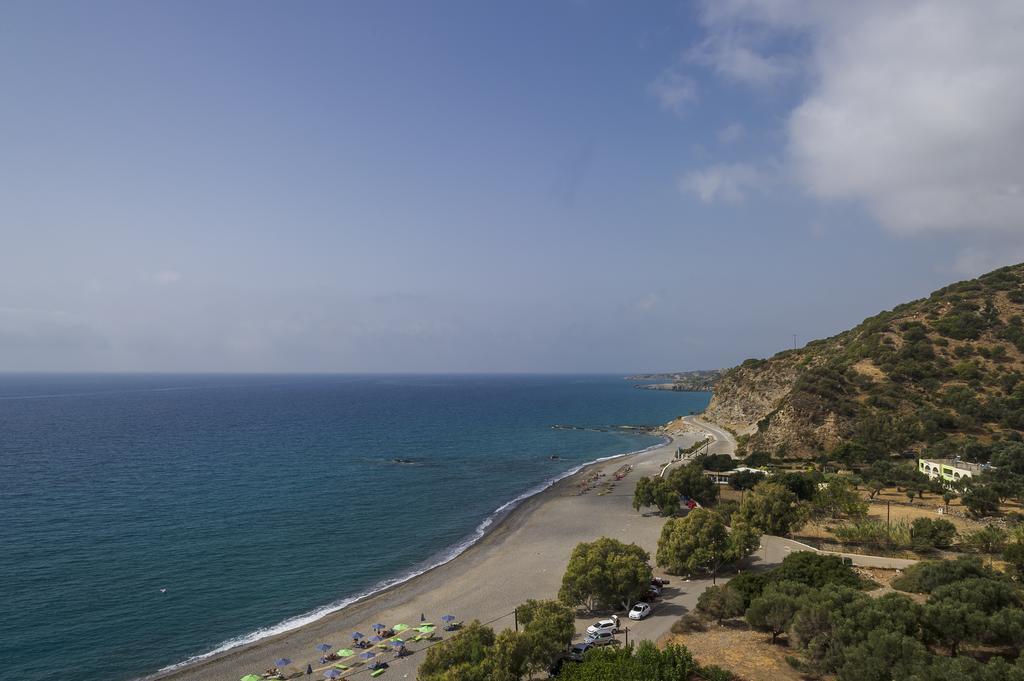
(251, 677)
(401, 627)
(426, 629)
(345, 652)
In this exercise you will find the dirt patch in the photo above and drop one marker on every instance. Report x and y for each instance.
(866, 367)
(748, 654)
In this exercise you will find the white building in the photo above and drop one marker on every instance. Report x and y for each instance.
(950, 470)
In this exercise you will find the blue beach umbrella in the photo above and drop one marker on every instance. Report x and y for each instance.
(397, 642)
(357, 635)
(332, 673)
(376, 639)
(447, 618)
(367, 655)
(324, 647)
(375, 627)
(282, 662)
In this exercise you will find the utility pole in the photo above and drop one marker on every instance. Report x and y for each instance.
(515, 615)
(794, 341)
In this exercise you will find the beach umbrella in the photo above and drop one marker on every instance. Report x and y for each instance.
(397, 642)
(376, 639)
(251, 677)
(367, 655)
(357, 635)
(345, 652)
(375, 627)
(426, 629)
(323, 647)
(401, 627)
(332, 673)
(447, 618)
(282, 662)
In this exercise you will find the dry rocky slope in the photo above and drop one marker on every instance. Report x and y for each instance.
(944, 372)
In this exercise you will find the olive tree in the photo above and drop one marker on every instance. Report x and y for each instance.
(772, 508)
(605, 572)
(700, 542)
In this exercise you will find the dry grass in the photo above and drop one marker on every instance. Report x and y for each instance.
(748, 654)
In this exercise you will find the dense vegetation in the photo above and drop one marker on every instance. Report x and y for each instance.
(642, 663)
(815, 601)
(477, 653)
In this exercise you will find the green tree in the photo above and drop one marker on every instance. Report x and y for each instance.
(720, 602)
(774, 609)
(815, 570)
(605, 572)
(700, 542)
(1013, 554)
(976, 610)
(771, 508)
(643, 495)
(749, 585)
(803, 485)
(548, 628)
(988, 540)
(837, 498)
(641, 663)
(928, 575)
(461, 657)
(690, 481)
(981, 501)
(508, 658)
(874, 487)
(927, 534)
(658, 492)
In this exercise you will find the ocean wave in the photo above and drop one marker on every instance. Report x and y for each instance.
(444, 556)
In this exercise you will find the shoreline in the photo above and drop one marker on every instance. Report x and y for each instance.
(488, 535)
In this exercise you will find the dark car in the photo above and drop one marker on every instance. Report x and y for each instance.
(577, 650)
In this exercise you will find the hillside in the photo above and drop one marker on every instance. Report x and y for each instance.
(680, 381)
(943, 372)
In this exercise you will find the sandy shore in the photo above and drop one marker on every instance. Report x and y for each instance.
(523, 557)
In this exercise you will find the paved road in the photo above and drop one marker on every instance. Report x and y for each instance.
(724, 442)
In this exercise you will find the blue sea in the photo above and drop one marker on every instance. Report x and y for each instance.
(149, 519)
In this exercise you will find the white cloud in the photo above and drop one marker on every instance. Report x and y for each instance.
(730, 133)
(729, 56)
(723, 182)
(914, 110)
(673, 90)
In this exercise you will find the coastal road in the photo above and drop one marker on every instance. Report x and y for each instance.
(723, 441)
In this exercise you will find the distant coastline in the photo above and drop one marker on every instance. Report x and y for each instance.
(681, 381)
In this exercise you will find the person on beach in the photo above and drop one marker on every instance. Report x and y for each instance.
(309, 668)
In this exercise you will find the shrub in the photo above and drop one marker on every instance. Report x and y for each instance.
(926, 576)
(688, 623)
(927, 534)
(815, 570)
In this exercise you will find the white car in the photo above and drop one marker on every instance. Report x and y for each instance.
(601, 638)
(639, 611)
(601, 626)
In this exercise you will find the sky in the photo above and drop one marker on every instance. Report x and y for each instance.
(556, 186)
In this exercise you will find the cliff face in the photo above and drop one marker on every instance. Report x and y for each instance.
(947, 366)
